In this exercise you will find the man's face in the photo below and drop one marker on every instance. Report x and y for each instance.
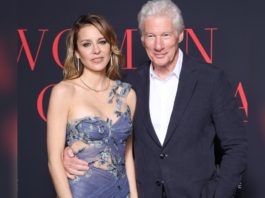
(160, 40)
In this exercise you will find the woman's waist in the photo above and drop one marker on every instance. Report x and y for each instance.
(100, 157)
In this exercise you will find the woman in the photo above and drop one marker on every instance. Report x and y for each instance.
(92, 111)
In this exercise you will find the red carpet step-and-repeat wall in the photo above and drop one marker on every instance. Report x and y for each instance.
(229, 34)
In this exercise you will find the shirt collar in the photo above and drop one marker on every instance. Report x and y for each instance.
(175, 72)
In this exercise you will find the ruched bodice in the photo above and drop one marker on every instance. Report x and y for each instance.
(103, 147)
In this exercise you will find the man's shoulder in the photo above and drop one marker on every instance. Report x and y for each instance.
(134, 75)
(202, 67)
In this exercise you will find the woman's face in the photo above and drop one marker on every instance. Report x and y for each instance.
(92, 49)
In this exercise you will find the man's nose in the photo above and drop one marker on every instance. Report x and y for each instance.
(158, 43)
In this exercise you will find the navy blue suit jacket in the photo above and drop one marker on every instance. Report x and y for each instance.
(184, 165)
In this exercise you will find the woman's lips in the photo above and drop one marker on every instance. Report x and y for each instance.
(97, 60)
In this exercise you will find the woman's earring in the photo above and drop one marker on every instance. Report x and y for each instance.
(77, 64)
(111, 61)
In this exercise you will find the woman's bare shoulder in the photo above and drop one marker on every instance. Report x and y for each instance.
(65, 88)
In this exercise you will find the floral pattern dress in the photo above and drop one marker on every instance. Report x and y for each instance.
(105, 150)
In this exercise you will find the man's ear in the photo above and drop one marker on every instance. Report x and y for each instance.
(181, 36)
(142, 40)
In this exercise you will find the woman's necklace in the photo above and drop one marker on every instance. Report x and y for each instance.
(96, 90)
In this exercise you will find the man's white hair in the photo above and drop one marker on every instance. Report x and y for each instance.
(161, 8)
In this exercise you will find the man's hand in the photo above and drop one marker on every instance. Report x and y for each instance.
(72, 165)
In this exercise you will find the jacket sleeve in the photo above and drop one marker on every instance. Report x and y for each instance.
(229, 125)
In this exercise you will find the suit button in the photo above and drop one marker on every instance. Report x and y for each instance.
(162, 155)
(159, 183)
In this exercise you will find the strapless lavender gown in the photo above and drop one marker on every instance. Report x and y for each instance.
(105, 154)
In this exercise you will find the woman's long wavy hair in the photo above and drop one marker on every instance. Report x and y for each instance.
(71, 70)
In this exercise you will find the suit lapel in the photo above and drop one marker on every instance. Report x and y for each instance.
(144, 97)
(187, 84)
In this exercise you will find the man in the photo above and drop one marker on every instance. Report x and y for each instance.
(182, 106)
